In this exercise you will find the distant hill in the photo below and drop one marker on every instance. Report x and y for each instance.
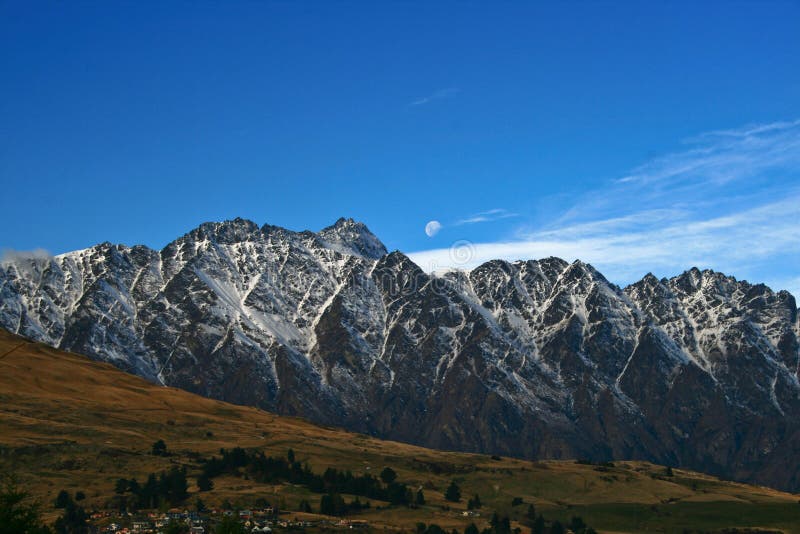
(69, 422)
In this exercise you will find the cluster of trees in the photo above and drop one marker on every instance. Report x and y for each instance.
(498, 526)
(19, 515)
(502, 525)
(334, 504)
(474, 503)
(169, 487)
(74, 519)
(267, 469)
(538, 524)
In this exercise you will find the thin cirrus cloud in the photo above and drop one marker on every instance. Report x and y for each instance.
(730, 201)
(433, 227)
(487, 216)
(437, 95)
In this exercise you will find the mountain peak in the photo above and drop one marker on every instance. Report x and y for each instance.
(353, 237)
(228, 231)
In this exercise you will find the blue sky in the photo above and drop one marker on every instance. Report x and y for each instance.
(641, 136)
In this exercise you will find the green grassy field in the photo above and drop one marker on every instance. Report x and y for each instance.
(69, 423)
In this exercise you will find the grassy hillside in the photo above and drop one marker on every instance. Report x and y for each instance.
(69, 423)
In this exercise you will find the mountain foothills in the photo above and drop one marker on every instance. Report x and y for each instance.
(118, 427)
(537, 359)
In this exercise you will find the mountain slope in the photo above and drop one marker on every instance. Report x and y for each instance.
(538, 359)
(69, 423)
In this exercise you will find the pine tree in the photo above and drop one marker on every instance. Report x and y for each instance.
(538, 525)
(474, 503)
(204, 482)
(74, 520)
(17, 515)
(121, 486)
(420, 499)
(453, 493)
(63, 499)
(159, 448)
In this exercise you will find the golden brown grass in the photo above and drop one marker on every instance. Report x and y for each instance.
(67, 422)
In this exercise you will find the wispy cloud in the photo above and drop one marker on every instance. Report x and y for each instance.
(724, 156)
(730, 202)
(487, 216)
(434, 227)
(438, 95)
(12, 255)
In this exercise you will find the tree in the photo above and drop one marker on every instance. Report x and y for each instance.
(531, 513)
(204, 482)
(305, 506)
(79, 495)
(62, 499)
(471, 529)
(176, 527)
(173, 486)
(388, 475)
(332, 504)
(17, 515)
(74, 520)
(229, 525)
(556, 528)
(474, 503)
(121, 486)
(453, 493)
(159, 448)
(290, 456)
(668, 472)
(199, 505)
(420, 499)
(538, 525)
(516, 501)
(398, 494)
(504, 526)
(577, 524)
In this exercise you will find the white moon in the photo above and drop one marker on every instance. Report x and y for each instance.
(432, 228)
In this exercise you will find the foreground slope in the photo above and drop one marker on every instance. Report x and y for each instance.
(68, 422)
(538, 359)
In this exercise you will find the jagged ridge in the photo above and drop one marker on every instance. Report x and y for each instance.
(537, 358)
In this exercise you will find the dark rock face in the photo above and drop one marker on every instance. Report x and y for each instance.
(540, 359)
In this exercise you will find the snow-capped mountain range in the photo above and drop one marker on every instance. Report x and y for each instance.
(540, 359)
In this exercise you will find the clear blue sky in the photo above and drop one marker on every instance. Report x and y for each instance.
(133, 122)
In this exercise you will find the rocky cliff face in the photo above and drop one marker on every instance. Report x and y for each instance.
(541, 359)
